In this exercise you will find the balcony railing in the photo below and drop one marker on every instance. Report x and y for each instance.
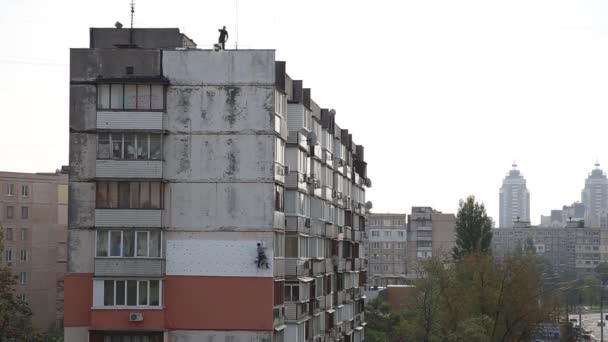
(141, 169)
(130, 120)
(128, 218)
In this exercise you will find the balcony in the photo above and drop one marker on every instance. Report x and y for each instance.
(129, 267)
(279, 268)
(130, 120)
(128, 218)
(279, 172)
(318, 266)
(297, 267)
(298, 224)
(140, 169)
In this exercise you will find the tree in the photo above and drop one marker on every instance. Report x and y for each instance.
(473, 229)
(602, 272)
(15, 315)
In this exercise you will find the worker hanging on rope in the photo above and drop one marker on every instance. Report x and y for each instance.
(223, 37)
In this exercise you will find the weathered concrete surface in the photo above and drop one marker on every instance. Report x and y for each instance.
(83, 111)
(219, 206)
(76, 333)
(81, 211)
(220, 67)
(107, 38)
(211, 109)
(81, 244)
(83, 153)
(90, 64)
(219, 158)
(219, 336)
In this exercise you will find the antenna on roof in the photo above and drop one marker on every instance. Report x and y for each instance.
(236, 42)
(131, 31)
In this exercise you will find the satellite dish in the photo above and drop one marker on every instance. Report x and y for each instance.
(118, 25)
(332, 111)
(311, 138)
(369, 205)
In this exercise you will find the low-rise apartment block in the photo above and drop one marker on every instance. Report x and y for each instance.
(574, 248)
(33, 217)
(385, 246)
(210, 198)
(429, 233)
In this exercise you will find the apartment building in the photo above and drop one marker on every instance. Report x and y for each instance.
(385, 245)
(594, 196)
(574, 248)
(429, 233)
(210, 198)
(514, 199)
(33, 216)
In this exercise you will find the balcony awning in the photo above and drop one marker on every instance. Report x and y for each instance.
(306, 279)
(331, 311)
(280, 327)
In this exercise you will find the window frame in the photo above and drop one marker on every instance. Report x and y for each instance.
(25, 190)
(109, 138)
(136, 232)
(101, 298)
(139, 100)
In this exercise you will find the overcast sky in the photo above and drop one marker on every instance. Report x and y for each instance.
(443, 94)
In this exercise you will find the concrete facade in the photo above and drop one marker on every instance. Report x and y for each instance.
(33, 216)
(205, 241)
(429, 233)
(386, 249)
(514, 199)
(595, 196)
(574, 248)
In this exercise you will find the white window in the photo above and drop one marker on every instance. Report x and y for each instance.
(387, 233)
(400, 245)
(129, 243)
(23, 234)
(279, 245)
(280, 103)
(25, 191)
(23, 255)
(9, 189)
(139, 97)
(8, 254)
(375, 233)
(23, 278)
(129, 292)
(400, 234)
(22, 297)
(279, 155)
(292, 292)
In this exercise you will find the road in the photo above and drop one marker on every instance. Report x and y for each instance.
(590, 324)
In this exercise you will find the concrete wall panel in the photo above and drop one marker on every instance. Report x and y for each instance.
(243, 109)
(220, 67)
(83, 152)
(215, 206)
(81, 211)
(220, 157)
(90, 64)
(81, 244)
(217, 254)
(83, 105)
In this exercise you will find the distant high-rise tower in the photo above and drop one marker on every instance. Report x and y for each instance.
(514, 199)
(595, 196)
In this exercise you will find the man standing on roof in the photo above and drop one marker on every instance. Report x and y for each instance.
(223, 37)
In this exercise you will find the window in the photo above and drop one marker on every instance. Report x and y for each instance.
(141, 97)
(22, 297)
(25, 191)
(25, 212)
(9, 212)
(279, 153)
(279, 245)
(9, 234)
(129, 146)
(400, 234)
(128, 243)
(23, 234)
(375, 233)
(9, 189)
(129, 195)
(400, 245)
(8, 254)
(279, 198)
(279, 293)
(23, 278)
(131, 292)
(292, 292)
(387, 233)
(280, 103)
(23, 255)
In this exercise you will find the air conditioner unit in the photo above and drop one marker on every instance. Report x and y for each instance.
(333, 193)
(317, 183)
(307, 223)
(310, 180)
(136, 317)
(286, 169)
(339, 195)
(305, 178)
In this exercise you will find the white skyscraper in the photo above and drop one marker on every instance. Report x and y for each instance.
(595, 196)
(514, 199)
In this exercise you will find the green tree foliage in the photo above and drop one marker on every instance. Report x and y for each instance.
(473, 299)
(473, 229)
(15, 315)
(382, 321)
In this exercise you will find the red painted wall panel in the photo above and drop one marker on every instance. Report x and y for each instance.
(78, 299)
